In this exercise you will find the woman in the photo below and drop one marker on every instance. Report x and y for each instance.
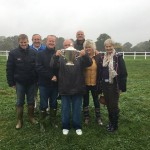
(91, 78)
(113, 77)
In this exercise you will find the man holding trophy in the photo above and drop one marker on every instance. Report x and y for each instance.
(71, 83)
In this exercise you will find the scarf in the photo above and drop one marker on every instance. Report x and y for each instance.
(108, 61)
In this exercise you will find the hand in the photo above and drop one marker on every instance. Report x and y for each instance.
(96, 52)
(58, 53)
(82, 53)
(54, 78)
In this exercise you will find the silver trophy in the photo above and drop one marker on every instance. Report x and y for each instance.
(70, 54)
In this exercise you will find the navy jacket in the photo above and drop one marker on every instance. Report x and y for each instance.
(21, 67)
(45, 72)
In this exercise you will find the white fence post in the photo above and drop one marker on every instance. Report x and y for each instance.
(134, 55)
(145, 55)
(7, 53)
(123, 54)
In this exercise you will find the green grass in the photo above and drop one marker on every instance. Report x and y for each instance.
(134, 121)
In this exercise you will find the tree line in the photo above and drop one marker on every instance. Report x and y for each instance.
(9, 43)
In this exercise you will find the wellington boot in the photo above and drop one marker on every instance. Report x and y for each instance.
(86, 115)
(19, 110)
(31, 114)
(42, 121)
(53, 119)
(98, 116)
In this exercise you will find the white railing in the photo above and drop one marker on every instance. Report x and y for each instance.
(4, 53)
(133, 54)
(136, 54)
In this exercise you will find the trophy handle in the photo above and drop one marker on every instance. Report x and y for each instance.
(63, 52)
(78, 52)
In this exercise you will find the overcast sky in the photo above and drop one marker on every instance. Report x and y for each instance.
(124, 20)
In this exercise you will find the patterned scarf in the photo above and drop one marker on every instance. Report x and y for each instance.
(108, 61)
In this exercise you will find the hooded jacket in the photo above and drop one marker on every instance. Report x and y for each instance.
(71, 79)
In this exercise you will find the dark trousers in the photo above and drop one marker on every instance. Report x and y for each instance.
(46, 94)
(22, 91)
(111, 94)
(94, 96)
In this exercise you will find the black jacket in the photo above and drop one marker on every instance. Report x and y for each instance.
(21, 67)
(78, 45)
(120, 67)
(98, 60)
(71, 79)
(45, 72)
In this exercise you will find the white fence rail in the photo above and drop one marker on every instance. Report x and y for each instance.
(132, 54)
(136, 54)
(4, 53)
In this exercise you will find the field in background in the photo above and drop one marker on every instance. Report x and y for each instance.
(134, 121)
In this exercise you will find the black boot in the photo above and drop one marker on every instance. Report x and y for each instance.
(113, 124)
(98, 116)
(42, 121)
(86, 115)
(19, 110)
(110, 121)
(53, 118)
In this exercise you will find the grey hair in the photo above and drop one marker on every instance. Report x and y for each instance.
(109, 41)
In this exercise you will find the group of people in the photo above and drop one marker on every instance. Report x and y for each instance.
(34, 67)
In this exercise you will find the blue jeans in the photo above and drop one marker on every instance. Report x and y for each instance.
(74, 101)
(48, 93)
(94, 96)
(21, 91)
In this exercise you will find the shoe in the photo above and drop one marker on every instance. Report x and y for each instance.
(65, 131)
(108, 126)
(79, 132)
(111, 129)
(99, 121)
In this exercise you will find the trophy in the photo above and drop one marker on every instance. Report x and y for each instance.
(70, 54)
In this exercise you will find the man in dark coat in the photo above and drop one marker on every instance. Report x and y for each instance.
(47, 78)
(21, 75)
(71, 84)
(78, 44)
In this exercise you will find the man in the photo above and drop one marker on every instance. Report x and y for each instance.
(71, 87)
(37, 46)
(78, 44)
(22, 76)
(37, 43)
(47, 82)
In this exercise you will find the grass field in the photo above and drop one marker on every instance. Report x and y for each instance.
(134, 121)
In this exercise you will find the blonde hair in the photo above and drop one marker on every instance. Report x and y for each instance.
(89, 43)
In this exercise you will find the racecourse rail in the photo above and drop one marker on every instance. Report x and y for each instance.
(132, 54)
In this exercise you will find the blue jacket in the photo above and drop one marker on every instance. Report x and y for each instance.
(41, 48)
